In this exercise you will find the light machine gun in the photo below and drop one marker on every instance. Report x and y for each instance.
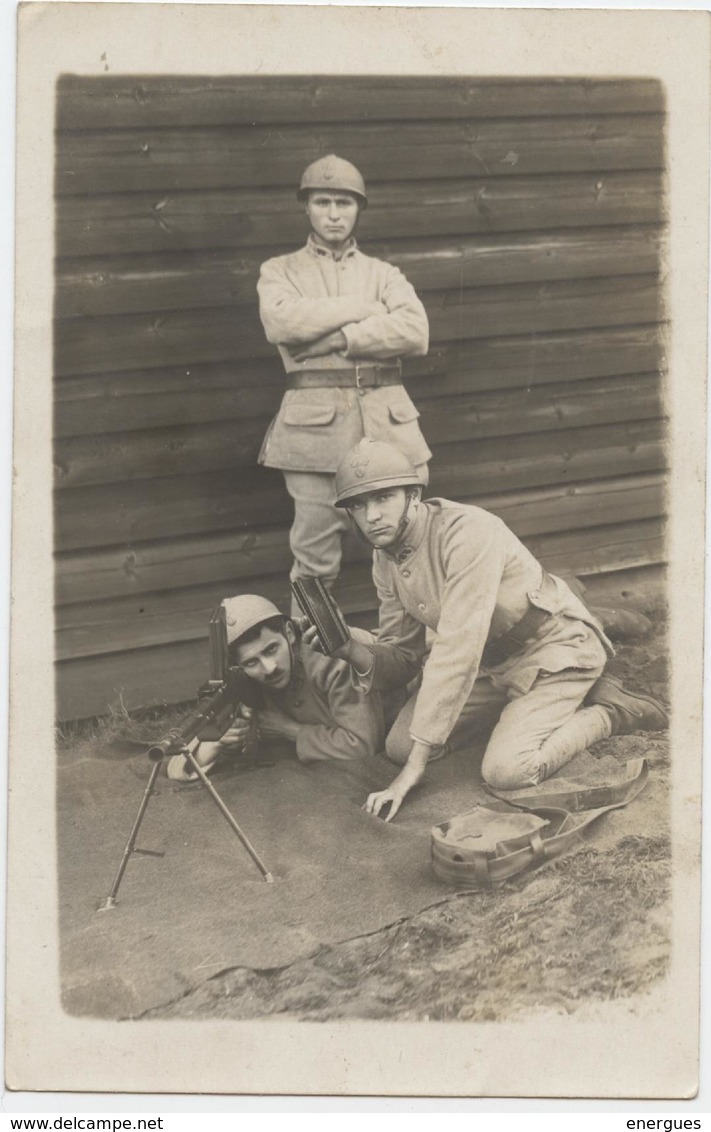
(220, 699)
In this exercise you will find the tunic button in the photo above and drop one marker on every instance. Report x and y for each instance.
(421, 605)
(298, 703)
(406, 573)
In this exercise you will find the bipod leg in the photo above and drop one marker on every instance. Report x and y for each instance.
(110, 901)
(228, 816)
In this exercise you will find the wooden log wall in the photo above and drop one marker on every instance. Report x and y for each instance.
(530, 217)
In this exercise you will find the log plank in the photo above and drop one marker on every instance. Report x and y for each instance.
(133, 284)
(89, 686)
(95, 102)
(461, 469)
(145, 223)
(147, 399)
(233, 444)
(170, 507)
(95, 629)
(234, 555)
(93, 686)
(533, 307)
(642, 588)
(111, 161)
(127, 400)
(221, 334)
(544, 408)
(599, 550)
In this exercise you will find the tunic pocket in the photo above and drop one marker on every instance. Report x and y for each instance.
(308, 415)
(568, 644)
(403, 413)
(395, 419)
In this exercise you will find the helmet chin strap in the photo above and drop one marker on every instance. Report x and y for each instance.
(408, 514)
(291, 640)
(357, 531)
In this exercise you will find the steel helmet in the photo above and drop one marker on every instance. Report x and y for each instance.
(333, 173)
(244, 612)
(371, 465)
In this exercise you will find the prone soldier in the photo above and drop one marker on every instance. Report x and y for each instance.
(307, 699)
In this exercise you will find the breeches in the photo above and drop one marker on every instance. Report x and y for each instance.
(537, 732)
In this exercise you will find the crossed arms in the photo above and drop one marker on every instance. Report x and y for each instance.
(392, 325)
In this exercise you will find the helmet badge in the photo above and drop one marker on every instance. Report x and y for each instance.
(333, 173)
(359, 463)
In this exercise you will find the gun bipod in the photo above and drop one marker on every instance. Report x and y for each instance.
(111, 901)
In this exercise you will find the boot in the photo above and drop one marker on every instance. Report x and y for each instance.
(628, 711)
(622, 624)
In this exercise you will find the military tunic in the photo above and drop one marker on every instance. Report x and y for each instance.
(338, 720)
(313, 292)
(462, 574)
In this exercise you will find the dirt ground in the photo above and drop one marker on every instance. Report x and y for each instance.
(592, 926)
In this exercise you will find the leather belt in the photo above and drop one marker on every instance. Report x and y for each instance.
(361, 377)
(515, 639)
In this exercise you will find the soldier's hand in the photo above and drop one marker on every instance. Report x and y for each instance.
(332, 343)
(276, 723)
(344, 652)
(376, 802)
(408, 777)
(235, 736)
(310, 637)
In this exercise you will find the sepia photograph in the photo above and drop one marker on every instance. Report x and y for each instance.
(376, 450)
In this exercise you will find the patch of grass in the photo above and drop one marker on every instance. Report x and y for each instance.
(576, 930)
(119, 725)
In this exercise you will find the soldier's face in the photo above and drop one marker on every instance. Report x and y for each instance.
(378, 515)
(332, 217)
(267, 659)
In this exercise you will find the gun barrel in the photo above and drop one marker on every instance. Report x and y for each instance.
(169, 745)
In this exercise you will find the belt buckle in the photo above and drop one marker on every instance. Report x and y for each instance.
(359, 387)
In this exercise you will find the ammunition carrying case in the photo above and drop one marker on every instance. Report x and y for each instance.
(499, 839)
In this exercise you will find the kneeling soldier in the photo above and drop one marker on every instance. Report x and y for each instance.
(507, 635)
(308, 699)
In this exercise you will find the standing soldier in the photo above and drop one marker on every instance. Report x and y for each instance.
(341, 321)
(508, 636)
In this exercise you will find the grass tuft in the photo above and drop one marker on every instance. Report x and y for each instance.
(119, 726)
